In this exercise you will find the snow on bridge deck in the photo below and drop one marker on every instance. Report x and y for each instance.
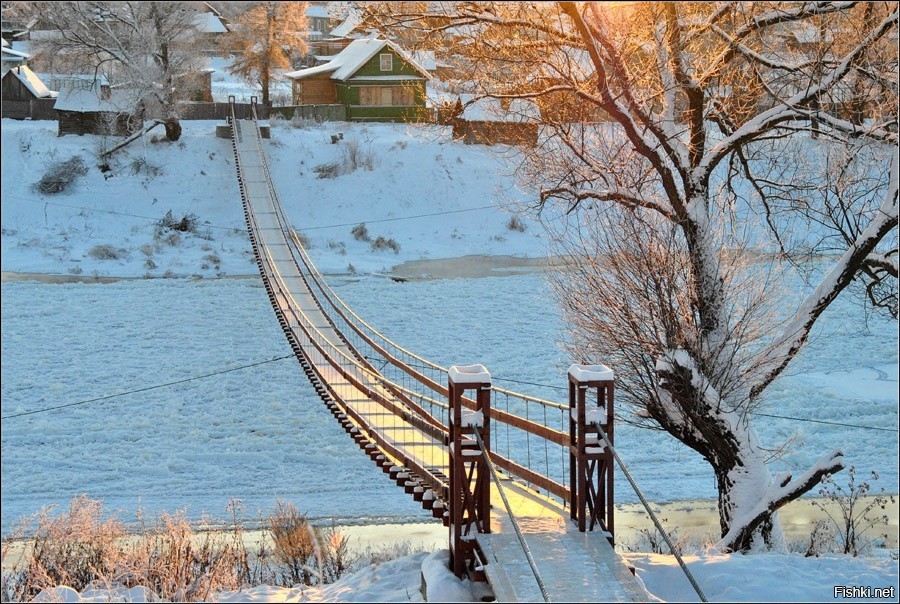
(574, 566)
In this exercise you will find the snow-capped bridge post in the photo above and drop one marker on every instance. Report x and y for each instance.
(470, 492)
(590, 460)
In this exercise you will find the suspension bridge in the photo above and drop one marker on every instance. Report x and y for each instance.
(524, 485)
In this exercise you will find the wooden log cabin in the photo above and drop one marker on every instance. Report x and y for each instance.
(374, 79)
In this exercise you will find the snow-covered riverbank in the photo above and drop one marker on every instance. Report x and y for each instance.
(240, 424)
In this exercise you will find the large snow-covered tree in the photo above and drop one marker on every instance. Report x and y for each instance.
(145, 46)
(699, 152)
(264, 37)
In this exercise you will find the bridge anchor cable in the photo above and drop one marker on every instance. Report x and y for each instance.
(525, 548)
(653, 517)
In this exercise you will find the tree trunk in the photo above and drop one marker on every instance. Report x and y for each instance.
(173, 129)
(264, 81)
(743, 480)
(690, 409)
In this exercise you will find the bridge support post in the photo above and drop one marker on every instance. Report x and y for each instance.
(590, 460)
(470, 492)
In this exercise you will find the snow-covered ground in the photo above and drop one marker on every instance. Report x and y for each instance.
(259, 433)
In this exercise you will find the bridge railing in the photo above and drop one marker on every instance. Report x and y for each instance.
(531, 432)
(322, 352)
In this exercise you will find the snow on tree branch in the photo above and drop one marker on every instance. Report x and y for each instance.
(795, 333)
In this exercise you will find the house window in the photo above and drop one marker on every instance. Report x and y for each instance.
(386, 96)
(387, 62)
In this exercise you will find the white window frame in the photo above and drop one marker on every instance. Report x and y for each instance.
(386, 58)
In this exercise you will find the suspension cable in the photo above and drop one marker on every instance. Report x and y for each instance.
(515, 523)
(659, 527)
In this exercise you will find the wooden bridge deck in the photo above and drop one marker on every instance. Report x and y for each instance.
(575, 566)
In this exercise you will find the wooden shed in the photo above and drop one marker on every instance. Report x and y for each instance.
(97, 111)
(487, 122)
(22, 84)
(25, 96)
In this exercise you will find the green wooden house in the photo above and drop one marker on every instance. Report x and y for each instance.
(374, 79)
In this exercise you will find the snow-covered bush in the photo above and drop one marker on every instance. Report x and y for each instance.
(515, 224)
(853, 513)
(81, 549)
(140, 165)
(354, 157)
(187, 224)
(107, 252)
(332, 170)
(360, 232)
(382, 243)
(304, 553)
(60, 175)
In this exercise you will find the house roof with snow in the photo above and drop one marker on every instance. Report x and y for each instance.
(32, 82)
(351, 59)
(317, 11)
(490, 110)
(209, 23)
(61, 81)
(350, 23)
(83, 100)
(14, 56)
(425, 58)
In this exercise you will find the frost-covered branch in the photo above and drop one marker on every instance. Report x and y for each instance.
(794, 106)
(795, 333)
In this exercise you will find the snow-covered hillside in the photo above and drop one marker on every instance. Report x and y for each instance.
(382, 175)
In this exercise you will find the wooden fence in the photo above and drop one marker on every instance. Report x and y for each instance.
(35, 109)
(219, 111)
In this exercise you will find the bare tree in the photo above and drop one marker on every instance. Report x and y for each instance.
(676, 143)
(265, 36)
(146, 46)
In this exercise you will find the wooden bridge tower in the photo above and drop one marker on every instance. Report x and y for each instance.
(590, 460)
(470, 489)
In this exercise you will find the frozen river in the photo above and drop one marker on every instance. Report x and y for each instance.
(259, 434)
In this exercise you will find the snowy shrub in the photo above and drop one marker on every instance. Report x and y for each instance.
(386, 553)
(173, 239)
(821, 540)
(304, 239)
(337, 246)
(332, 170)
(381, 243)
(106, 252)
(305, 554)
(72, 549)
(355, 158)
(187, 224)
(853, 513)
(515, 224)
(211, 259)
(167, 557)
(139, 165)
(360, 232)
(302, 122)
(60, 175)
(652, 541)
